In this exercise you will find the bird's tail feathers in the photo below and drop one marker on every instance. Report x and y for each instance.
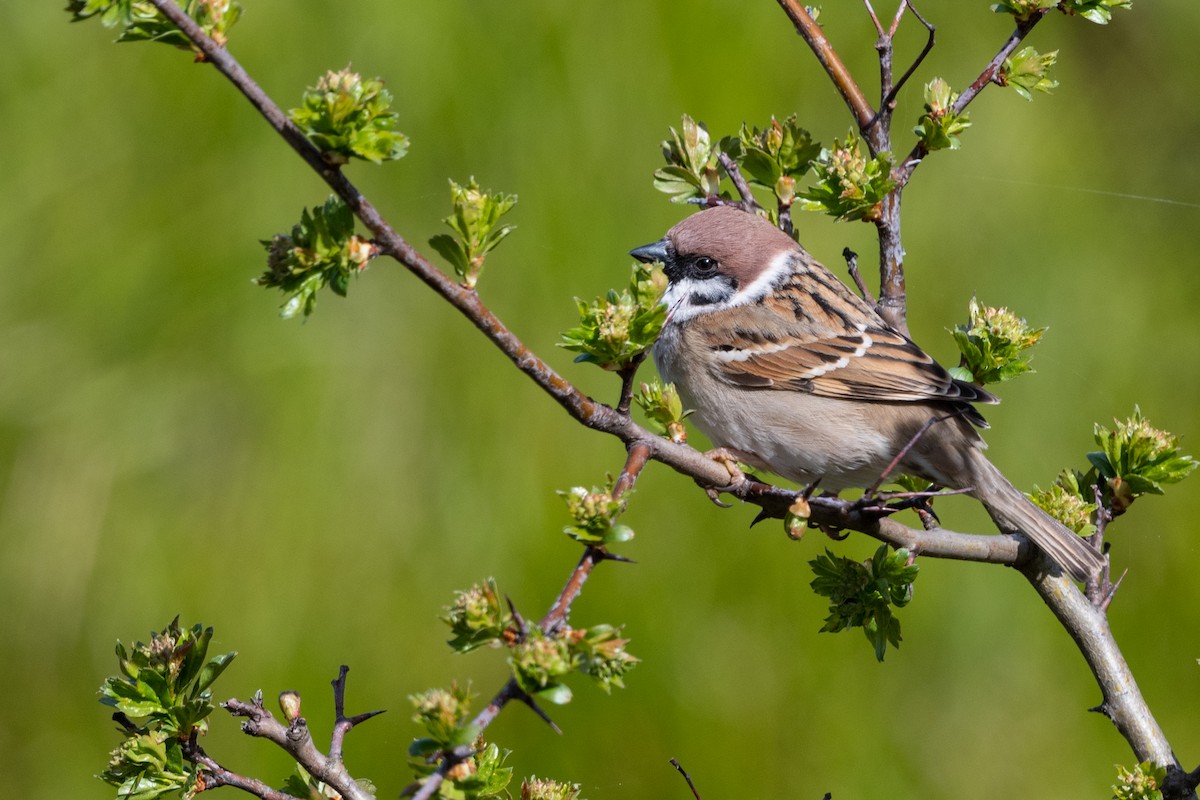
(1011, 510)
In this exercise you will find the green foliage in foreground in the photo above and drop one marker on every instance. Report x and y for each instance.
(162, 697)
(862, 594)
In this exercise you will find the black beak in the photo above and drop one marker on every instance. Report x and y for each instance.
(649, 253)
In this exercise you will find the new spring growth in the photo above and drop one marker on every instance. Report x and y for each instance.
(1144, 782)
(322, 250)
(663, 409)
(1135, 458)
(861, 595)
(164, 692)
(1026, 72)
(849, 185)
(939, 127)
(289, 704)
(545, 789)
(444, 714)
(142, 22)
(478, 617)
(540, 661)
(620, 328)
(476, 226)
(775, 157)
(601, 655)
(1097, 11)
(691, 172)
(1068, 502)
(594, 514)
(993, 345)
(348, 117)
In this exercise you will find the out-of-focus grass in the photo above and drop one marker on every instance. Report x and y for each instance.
(316, 491)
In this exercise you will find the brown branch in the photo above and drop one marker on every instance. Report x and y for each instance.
(812, 34)
(1123, 703)
(296, 740)
(214, 775)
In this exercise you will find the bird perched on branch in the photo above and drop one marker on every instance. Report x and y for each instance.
(790, 371)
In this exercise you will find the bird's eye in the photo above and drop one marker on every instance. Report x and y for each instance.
(705, 266)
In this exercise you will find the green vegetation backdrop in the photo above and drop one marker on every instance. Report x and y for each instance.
(316, 491)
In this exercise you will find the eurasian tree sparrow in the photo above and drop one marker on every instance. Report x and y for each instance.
(791, 372)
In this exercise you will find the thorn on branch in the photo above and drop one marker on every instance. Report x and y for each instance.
(525, 698)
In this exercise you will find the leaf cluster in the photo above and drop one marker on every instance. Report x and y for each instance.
(617, 331)
(594, 513)
(775, 157)
(346, 117)
(1026, 72)
(1136, 458)
(546, 789)
(691, 172)
(477, 617)
(142, 22)
(861, 595)
(163, 696)
(993, 345)
(1143, 782)
(321, 250)
(539, 660)
(476, 226)
(939, 127)
(849, 185)
(663, 409)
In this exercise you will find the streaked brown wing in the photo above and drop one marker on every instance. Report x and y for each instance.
(872, 364)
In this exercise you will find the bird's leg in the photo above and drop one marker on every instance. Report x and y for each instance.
(729, 460)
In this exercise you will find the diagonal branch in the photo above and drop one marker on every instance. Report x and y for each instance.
(811, 32)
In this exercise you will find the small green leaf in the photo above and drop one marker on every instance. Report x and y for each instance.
(849, 185)
(939, 127)
(1026, 72)
(1097, 11)
(141, 21)
(1144, 782)
(322, 250)
(594, 514)
(993, 344)
(862, 595)
(477, 617)
(691, 172)
(346, 117)
(476, 226)
(618, 330)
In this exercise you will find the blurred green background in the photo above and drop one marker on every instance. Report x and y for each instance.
(317, 491)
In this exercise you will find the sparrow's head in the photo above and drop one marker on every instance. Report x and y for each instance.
(719, 258)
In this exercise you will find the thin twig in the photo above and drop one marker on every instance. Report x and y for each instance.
(890, 100)
(213, 774)
(749, 203)
(342, 724)
(675, 763)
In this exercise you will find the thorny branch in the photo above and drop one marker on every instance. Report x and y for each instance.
(1084, 622)
(554, 620)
